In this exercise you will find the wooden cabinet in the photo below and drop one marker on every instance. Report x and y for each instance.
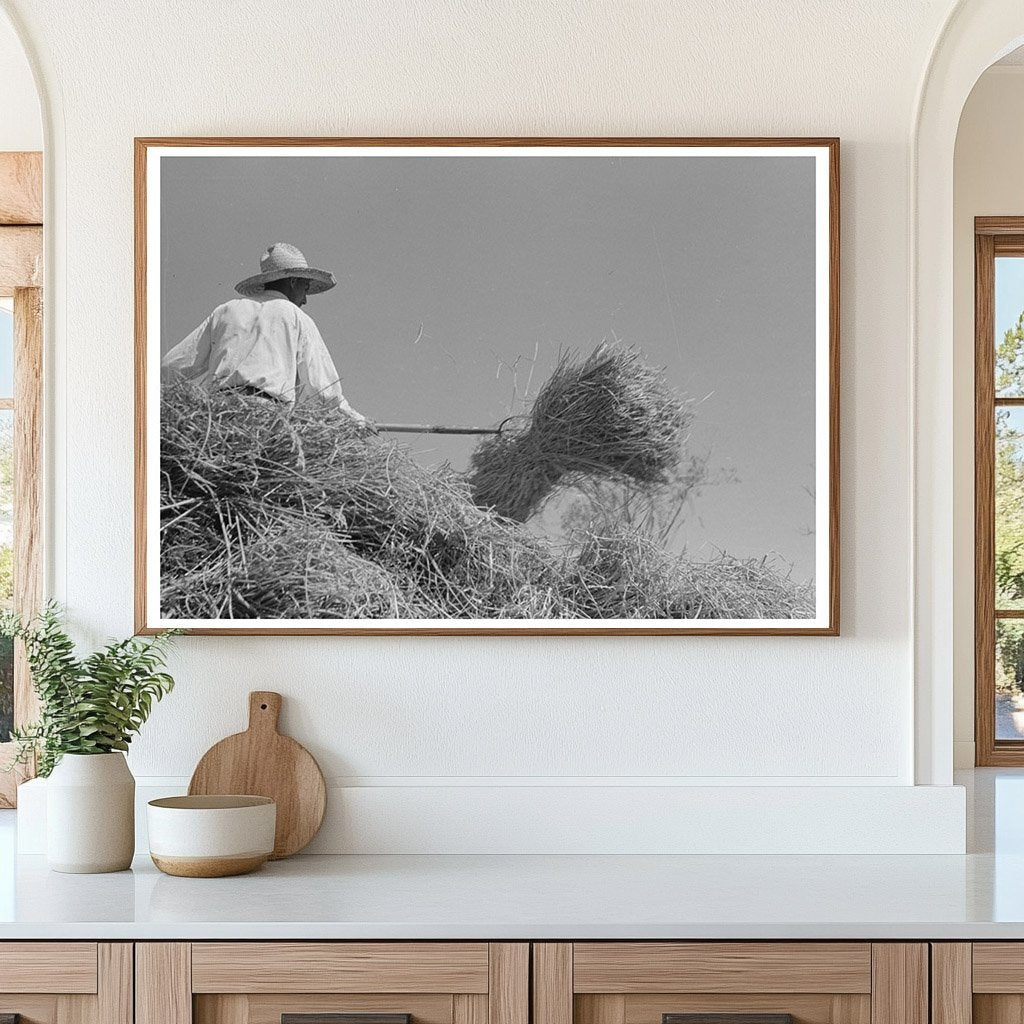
(66, 982)
(494, 983)
(306, 982)
(752, 982)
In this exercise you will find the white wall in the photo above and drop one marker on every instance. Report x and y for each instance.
(21, 127)
(987, 181)
(450, 713)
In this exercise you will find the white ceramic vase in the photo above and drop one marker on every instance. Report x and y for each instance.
(90, 814)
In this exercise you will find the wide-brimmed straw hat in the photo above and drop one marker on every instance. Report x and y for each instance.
(282, 260)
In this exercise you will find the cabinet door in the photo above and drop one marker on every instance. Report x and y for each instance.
(730, 983)
(980, 982)
(332, 983)
(66, 983)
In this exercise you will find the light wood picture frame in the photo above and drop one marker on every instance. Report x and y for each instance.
(481, 282)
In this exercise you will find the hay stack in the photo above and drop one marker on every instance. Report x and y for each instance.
(610, 415)
(293, 569)
(271, 514)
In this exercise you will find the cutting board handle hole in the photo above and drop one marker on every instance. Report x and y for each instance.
(263, 707)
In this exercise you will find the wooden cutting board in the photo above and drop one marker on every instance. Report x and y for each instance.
(262, 762)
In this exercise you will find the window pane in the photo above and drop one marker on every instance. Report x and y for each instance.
(6, 567)
(1009, 679)
(6, 352)
(1009, 480)
(1009, 326)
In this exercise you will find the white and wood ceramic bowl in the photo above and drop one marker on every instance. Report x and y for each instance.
(211, 836)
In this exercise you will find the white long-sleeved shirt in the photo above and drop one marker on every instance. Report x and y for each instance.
(264, 341)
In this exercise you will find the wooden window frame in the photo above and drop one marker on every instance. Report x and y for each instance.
(21, 278)
(993, 237)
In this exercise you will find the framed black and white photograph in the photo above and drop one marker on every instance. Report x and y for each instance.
(487, 385)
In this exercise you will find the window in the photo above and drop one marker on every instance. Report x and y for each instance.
(999, 490)
(21, 318)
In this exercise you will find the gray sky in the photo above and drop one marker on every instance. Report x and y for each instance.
(705, 263)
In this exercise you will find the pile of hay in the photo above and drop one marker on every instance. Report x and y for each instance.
(274, 514)
(267, 513)
(609, 415)
(628, 576)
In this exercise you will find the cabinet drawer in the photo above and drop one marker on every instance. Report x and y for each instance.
(730, 983)
(770, 982)
(332, 983)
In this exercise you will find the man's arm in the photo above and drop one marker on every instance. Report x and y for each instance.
(317, 376)
(189, 358)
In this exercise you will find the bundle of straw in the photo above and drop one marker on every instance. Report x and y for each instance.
(608, 415)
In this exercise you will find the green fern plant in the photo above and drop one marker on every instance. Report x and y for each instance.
(90, 705)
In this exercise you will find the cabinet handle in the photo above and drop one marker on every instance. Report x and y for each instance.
(337, 1018)
(727, 1018)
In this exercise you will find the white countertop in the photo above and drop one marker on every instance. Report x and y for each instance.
(977, 896)
(496, 897)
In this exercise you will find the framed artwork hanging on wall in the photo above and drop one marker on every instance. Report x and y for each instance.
(498, 386)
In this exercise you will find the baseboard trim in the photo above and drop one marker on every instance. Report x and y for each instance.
(715, 820)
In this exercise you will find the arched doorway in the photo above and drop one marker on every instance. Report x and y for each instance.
(976, 34)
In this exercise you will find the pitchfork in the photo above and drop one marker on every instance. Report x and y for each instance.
(427, 428)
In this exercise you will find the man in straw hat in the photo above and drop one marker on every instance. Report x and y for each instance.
(263, 344)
